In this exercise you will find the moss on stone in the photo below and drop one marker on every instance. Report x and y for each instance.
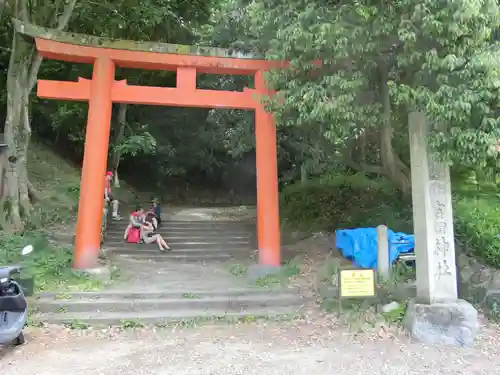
(31, 31)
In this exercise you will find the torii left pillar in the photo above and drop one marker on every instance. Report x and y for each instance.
(88, 231)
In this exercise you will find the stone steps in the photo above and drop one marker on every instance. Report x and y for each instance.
(178, 245)
(188, 302)
(169, 293)
(208, 223)
(189, 233)
(164, 307)
(195, 238)
(172, 255)
(200, 250)
(159, 318)
(197, 225)
(191, 241)
(187, 253)
(149, 249)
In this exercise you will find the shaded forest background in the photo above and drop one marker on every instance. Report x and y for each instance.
(160, 149)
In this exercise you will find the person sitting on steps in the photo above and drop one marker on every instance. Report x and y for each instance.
(136, 220)
(109, 197)
(148, 236)
(153, 216)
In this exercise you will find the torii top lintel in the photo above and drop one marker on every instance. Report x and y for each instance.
(81, 48)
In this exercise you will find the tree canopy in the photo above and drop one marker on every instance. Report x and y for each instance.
(379, 61)
(357, 69)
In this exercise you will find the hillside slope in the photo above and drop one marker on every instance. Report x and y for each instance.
(58, 183)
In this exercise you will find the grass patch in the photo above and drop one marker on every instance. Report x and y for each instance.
(281, 277)
(238, 269)
(396, 316)
(190, 296)
(362, 314)
(78, 325)
(58, 184)
(131, 324)
(193, 322)
(50, 266)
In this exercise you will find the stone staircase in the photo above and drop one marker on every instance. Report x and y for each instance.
(193, 282)
(157, 308)
(191, 241)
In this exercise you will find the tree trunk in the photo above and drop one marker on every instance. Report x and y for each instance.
(3, 185)
(390, 166)
(363, 148)
(122, 123)
(22, 161)
(24, 64)
(16, 135)
(2, 6)
(303, 174)
(391, 163)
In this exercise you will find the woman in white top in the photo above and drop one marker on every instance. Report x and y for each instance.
(148, 236)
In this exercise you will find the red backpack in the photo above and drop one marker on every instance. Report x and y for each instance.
(134, 235)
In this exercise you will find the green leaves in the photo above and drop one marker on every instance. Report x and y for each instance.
(442, 58)
(139, 143)
(158, 20)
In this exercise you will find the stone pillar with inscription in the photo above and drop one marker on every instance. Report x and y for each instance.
(437, 315)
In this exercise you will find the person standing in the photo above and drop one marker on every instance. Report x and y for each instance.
(153, 216)
(108, 196)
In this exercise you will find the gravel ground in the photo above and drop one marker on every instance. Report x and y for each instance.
(268, 348)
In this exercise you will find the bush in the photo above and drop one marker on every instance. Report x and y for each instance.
(50, 266)
(342, 202)
(477, 222)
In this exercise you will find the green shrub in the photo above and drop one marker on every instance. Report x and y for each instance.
(344, 201)
(477, 222)
(341, 202)
(50, 266)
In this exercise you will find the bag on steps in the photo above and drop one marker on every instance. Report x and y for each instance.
(134, 235)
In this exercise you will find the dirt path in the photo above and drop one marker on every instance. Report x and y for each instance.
(293, 348)
(150, 276)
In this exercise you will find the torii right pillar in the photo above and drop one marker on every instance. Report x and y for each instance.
(268, 223)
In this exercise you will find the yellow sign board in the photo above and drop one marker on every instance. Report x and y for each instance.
(357, 283)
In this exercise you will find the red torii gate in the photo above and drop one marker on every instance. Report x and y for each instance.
(103, 90)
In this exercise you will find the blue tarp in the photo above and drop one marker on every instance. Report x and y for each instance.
(360, 245)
